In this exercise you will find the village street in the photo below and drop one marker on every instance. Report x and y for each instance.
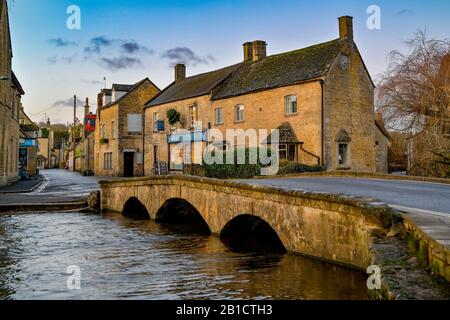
(421, 197)
(59, 186)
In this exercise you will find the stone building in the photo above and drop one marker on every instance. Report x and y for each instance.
(321, 97)
(118, 147)
(28, 146)
(10, 105)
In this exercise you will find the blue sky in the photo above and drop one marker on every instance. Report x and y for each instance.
(126, 41)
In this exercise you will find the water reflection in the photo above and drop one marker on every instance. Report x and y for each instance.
(126, 259)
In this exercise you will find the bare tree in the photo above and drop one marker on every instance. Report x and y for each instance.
(414, 96)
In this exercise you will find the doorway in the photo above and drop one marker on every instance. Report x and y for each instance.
(128, 164)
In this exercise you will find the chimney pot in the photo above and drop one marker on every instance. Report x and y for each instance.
(248, 51)
(180, 72)
(346, 27)
(259, 50)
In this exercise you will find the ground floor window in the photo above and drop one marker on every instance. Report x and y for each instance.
(288, 152)
(343, 154)
(107, 161)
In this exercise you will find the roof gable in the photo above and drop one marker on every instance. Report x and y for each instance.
(194, 86)
(133, 87)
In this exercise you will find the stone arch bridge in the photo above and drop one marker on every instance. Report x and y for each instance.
(335, 228)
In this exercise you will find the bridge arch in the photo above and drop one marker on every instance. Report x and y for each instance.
(247, 232)
(135, 209)
(177, 211)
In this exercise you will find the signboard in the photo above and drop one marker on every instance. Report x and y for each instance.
(89, 123)
(26, 143)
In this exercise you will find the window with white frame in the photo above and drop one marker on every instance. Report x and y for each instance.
(239, 113)
(290, 105)
(219, 116)
(134, 122)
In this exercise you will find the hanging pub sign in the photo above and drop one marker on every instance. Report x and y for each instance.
(89, 123)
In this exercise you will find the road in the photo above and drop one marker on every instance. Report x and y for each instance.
(60, 186)
(423, 197)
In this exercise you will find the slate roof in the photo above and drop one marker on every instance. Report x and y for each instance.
(281, 69)
(107, 92)
(122, 87)
(192, 87)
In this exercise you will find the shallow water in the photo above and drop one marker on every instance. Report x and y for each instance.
(121, 258)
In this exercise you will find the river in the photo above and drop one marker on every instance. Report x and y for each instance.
(120, 258)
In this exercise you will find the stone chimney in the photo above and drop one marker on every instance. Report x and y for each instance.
(259, 50)
(86, 108)
(248, 51)
(346, 27)
(180, 72)
(100, 100)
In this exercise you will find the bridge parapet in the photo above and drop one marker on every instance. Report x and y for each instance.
(331, 227)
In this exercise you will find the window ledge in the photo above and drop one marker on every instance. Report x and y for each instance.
(241, 121)
(291, 114)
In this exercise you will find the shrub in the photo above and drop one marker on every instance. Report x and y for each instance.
(295, 167)
(173, 116)
(104, 141)
(233, 171)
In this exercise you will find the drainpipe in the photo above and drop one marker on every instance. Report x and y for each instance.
(322, 162)
(310, 153)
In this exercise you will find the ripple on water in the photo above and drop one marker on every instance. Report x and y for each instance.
(125, 259)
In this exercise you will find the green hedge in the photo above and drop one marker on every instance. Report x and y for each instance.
(295, 167)
(233, 171)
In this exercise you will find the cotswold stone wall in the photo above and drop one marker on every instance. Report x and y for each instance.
(349, 106)
(133, 103)
(329, 227)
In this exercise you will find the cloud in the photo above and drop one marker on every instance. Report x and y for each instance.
(405, 12)
(131, 47)
(97, 44)
(121, 62)
(186, 56)
(67, 103)
(61, 43)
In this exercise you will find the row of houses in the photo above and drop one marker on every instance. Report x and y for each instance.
(321, 98)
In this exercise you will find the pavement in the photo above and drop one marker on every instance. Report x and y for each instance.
(23, 186)
(59, 186)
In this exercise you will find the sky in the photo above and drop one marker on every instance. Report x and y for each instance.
(126, 41)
